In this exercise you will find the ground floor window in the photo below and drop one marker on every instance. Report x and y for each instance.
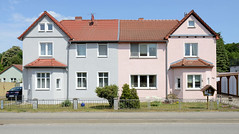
(13, 79)
(43, 80)
(81, 80)
(103, 79)
(178, 83)
(58, 83)
(143, 81)
(193, 81)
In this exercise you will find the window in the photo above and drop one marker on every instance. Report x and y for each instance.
(81, 50)
(191, 23)
(143, 50)
(43, 80)
(194, 81)
(178, 83)
(191, 49)
(46, 49)
(42, 27)
(45, 27)
(103, 79)
(102, 50)
(143, 81)
(4, 80)
(13, 79)
(81, 80)
(49, 26)
(58, 83)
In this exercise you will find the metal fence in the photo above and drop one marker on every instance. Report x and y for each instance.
(130, 104)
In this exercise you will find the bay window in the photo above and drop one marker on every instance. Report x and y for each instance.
(194, 81)
(43, 80)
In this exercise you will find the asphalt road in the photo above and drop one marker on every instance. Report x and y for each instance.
(121, 128)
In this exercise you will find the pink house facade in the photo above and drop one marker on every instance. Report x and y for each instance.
(183, 63)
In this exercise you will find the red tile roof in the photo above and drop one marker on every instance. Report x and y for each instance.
(145, 30)
(46, 63)
(17, 66)
(191, 63)
(101, 30)
(198, 18)
(45, 13)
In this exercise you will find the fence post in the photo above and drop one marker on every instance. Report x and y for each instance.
(16, 100)
(22, 98)
(116, 104)
(179, 102)
(35, 103)
(149, 105)
(2, 104)
(217, 104)
(75, 103)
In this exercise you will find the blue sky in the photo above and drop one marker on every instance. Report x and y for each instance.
(17, 15)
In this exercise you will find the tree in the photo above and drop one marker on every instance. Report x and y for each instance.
(12, 56)
(222, 57)
(233, 53)
(108, 92)
(129, 98)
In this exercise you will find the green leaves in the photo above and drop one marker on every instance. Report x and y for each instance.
(222, 57)
(108, 92)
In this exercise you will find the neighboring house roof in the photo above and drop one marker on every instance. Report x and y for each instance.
(46, 63)
(145, 30)
(17, 66)
(191, 63)
(99, 30)
(198, 18)
(45, 13)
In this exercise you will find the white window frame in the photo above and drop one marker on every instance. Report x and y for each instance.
(3, 79)
(147, 51)
(98, 52)
(81, 56)
(193, 23)
(12, 80)
(138, 87)
(98, 78)
(176, 83)
(194, 88)
(82, 88)
(47, 89)
(46, 27)
(46, 49)
(60, 85)
(191, 50)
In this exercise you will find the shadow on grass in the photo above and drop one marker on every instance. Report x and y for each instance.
(100, 107)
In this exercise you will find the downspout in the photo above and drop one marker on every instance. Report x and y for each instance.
(67, 90)
(166, 69)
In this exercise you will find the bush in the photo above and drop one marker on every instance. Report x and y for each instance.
(108, 92)
(129, 98)
(66, 103)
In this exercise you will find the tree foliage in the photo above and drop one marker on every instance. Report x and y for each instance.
(108, 92)
(129, 98)
(11, 56)
(222, 57)
(233, 53)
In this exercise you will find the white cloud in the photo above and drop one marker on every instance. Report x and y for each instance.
(18, 17)
(59, 16)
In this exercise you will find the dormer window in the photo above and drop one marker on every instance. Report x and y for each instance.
(191, 23)
(45, 27)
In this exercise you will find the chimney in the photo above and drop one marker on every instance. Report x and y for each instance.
(78, 18)
(92, 20)
(140, 18)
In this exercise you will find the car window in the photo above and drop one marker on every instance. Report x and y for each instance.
(16, 89)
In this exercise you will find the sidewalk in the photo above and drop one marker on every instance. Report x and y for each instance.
(121, 117)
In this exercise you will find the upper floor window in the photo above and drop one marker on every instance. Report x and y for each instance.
(191, 23)
(191, 49)
(45, 27)
(102, 50)
(143, 50)
(46, 49)
(81, 50)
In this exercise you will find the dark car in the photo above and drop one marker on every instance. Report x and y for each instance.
(13, 93)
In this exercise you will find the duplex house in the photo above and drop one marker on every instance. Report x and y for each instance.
(70, 58)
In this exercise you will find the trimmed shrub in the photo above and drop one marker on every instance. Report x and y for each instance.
(66, 103)
(129, 98)
(108, 92)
